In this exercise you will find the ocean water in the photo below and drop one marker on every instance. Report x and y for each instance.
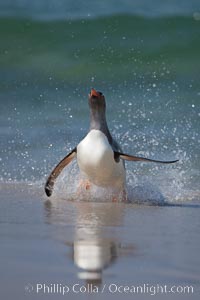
(69, 9)
(144, 57)
(148, 70)
(100, 244)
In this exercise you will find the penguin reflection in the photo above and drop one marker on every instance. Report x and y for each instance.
(96, 245)
(93, 251)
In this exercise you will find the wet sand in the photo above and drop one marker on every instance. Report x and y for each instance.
(95, 245)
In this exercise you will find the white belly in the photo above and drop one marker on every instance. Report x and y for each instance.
(96, 161)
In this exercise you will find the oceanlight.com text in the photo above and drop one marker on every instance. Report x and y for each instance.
(112, 288)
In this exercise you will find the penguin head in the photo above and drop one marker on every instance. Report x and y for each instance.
(96, 100)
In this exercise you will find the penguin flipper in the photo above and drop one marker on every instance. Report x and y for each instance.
(129, 157)
(57, 170)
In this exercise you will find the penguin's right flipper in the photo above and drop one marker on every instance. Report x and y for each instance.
(57, 170)
(129, 157)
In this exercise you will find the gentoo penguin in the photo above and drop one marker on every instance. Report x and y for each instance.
(100, 158)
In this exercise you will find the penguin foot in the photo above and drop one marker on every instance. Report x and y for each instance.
(83, 185)
(121, 197)
(87, 185)
(114, 199)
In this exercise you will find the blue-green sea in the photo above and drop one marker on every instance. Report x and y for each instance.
(144, 56)
(148, 69)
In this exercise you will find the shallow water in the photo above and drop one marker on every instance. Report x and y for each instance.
(67, 243)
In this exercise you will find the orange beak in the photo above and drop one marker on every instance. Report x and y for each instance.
(94, 93)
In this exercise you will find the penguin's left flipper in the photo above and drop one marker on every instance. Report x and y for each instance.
(56, 172)
(128, 157)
